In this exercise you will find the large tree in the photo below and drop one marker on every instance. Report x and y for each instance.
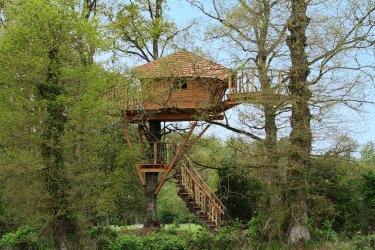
(301, 135)
(46, 71)
(331, 46)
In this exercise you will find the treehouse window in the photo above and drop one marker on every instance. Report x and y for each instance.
(180, 84)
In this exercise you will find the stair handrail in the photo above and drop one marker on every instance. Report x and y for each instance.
(195, 175)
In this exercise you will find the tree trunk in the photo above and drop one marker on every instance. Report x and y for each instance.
(301, 136)
(154, 136)
(272, 227)
(62, 222)
(157, 21)
(152, 180)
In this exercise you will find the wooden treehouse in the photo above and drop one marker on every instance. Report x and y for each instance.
(185, 87)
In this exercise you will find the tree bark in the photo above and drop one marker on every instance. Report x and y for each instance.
(152, 180)
(62, 224)
(301, 136)
(155, 40)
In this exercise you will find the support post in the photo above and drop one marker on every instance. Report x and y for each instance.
(140, 130)
(155, 153)
(280, 81)
(126, 132)
(247, 82)
(197, 138)
(230, 83)
(253, 80)
(175, 158)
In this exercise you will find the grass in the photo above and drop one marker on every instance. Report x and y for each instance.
(182, 227)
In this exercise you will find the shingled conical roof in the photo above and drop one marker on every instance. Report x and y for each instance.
(182, 64)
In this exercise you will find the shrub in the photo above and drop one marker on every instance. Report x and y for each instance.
(129, 241)
(24, 237)
(254, 232)
(166, 241)
(363, 242)
(103, 237)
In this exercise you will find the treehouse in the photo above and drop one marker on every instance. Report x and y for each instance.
(177, 87)
(186, 87)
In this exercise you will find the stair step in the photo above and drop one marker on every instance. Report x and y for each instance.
(188, 198)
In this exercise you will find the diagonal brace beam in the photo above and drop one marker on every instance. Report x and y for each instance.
(179, 152)
(175, 158)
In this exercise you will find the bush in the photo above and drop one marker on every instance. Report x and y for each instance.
(103, 237)
(129, 241)
(363, 242)
(325, 232)
(166, 241)
(166, 216)
(255, 231)
(24, 237)
(185, 218)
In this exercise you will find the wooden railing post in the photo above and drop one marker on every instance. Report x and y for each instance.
(230, 83)
(155, 153)
(247, 82)
(280, 81)
(253, 80)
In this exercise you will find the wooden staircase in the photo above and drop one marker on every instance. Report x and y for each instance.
(198, 196)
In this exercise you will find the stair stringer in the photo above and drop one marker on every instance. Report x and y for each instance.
(198, 196)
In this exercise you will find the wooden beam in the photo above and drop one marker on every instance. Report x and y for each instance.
(140, 130)
(230, 83)
(153, 170)
(135, 117)
(247, 82)
(141, 177)
(155, 152)
(280, 80)
(171, 165)
(197, 138)
(253, 80)
(126, 132)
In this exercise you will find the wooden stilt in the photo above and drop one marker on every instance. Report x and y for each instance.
(280, 80)
(230, 83)
(247, 83)
(253, 80)
(126, 132)
(140, 130)
(141, 177)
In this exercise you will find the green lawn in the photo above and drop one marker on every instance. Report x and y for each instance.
(182, 227)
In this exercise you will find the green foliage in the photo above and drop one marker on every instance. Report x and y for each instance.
(368, 190)
(171, 208)
(363, 242)
(154, 241)
(325, 233)
(103, 237)
(239, 194)
(255, 231)
(129, 241)
(24, 237)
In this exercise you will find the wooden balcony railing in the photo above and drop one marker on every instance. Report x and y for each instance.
(204, 199)
(158, 153)
(123, 99)
(248, 81)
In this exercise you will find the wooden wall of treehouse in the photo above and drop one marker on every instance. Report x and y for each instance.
(182, 93)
